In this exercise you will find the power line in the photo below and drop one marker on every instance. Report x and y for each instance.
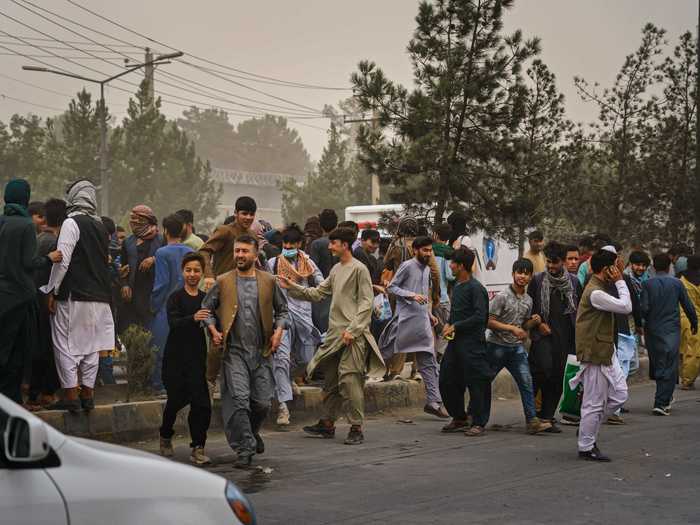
(129, 30)
(8, 97)
(277, 107)
(41, 39)
(64, 48)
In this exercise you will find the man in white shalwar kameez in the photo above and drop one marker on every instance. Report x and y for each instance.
(80, 294)
(604, 384)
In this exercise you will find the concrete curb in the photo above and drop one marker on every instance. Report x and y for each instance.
(122, 422)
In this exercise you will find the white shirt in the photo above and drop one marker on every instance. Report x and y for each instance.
(67, 241)
(601, 300)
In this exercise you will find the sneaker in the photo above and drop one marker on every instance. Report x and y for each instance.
(536, 425)
(243, 462)
(321, 429)
(166, 448)
(436, 409)
(593, 455)
(283, 415)
(553, 429)
(259, 444)
(614, 419)
(670, 404)
(567, 419)
(355, 436)
(456, 425)
(661, 411)
(198, 458)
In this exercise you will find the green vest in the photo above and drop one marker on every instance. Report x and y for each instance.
(595, 329)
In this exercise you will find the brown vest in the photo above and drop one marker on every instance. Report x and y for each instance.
(595, 329)
(228, 304)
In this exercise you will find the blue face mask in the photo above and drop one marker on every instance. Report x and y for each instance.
(289, 253)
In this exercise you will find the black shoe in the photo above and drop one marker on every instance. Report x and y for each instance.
(593, 455)
(320, 429)
(554, 429)
(73, 406)
(355, 436)
(88, 404)
(243, 462)
(259, 444)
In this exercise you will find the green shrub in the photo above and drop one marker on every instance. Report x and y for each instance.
(140, 358)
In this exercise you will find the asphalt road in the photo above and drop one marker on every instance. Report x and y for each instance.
(409, 473)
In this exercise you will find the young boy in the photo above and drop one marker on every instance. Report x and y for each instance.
(185, 362)
(509, 320)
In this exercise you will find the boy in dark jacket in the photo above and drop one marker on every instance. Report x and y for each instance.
(185, 362)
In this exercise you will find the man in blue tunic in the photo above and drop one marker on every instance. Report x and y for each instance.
(168, 279)
(661, 296)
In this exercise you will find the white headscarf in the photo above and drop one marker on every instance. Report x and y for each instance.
(81, 198)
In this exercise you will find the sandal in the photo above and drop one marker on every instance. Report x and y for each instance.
(455, 425)
(474, 431)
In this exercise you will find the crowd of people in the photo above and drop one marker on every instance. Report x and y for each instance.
(253, 313)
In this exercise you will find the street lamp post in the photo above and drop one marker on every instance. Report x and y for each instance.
(104, 182)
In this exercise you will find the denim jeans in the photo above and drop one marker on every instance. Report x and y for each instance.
(514, 359)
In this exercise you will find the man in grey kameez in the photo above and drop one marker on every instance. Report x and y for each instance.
(248, 315)
(411, 328)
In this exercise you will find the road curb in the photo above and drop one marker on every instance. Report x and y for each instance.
(132, 421)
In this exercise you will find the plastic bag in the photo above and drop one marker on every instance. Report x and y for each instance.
(381, 308)
(571, 399)
(626, 351)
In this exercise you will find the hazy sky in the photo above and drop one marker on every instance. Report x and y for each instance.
(309, 41)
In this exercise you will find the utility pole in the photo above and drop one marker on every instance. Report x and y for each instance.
(104, 175)
(149, 70)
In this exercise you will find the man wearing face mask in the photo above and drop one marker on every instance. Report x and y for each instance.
(555, 294)
(301, 338)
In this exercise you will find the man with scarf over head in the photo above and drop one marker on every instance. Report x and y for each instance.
(138, 266)
(18, 310)
(555, 294)
(80, 293)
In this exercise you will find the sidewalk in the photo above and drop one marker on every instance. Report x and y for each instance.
(132, 421)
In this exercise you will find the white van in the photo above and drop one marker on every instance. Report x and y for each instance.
(49, 478)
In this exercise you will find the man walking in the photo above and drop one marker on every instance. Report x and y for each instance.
(690, 342)
(218, 250)
(604, 385)
(343, 357)
(248, 313)
(301, 338)
(509, 321)
(555, 294)
(465, 364)
(80, 295)
(411, 328)
(661, 296)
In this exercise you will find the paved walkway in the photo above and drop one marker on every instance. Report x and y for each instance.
(407, 472)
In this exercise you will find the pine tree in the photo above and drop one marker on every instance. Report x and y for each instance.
(436, 142)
